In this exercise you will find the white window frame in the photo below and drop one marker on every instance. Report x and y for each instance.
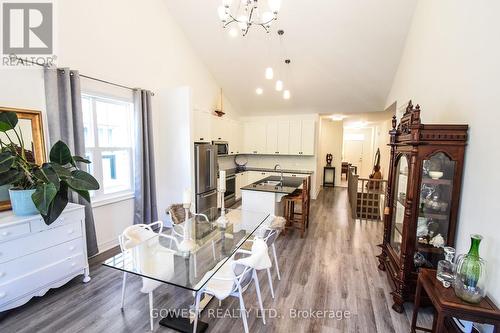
(100, 198)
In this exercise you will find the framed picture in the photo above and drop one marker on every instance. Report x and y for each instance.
(30, 124)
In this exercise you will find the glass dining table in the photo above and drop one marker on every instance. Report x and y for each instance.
(202, 245)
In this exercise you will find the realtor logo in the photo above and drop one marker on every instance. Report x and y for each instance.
(27, 28)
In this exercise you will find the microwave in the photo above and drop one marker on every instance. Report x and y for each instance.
(222, 147)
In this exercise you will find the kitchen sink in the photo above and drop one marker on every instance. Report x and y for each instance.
(271, 183)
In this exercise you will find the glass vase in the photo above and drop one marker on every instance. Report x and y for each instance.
(470, 278)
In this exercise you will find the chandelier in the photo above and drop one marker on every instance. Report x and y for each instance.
(248, 13)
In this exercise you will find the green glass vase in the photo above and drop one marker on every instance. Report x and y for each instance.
(470, 278)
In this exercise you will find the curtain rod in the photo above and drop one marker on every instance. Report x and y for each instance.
(82, 75)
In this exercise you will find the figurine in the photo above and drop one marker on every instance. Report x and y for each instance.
(329, 159)
(437, 241)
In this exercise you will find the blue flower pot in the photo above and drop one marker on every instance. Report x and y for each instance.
(21, 202)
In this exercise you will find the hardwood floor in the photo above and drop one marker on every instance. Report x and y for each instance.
(332, 269)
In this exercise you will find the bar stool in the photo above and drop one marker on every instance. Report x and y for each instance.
(300, 219)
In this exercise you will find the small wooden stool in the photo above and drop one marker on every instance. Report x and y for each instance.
(448, 305)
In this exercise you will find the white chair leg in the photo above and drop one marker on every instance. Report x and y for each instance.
(213, 250)
(259, 298)
(196, 310)
(195, 270)
(270, 282)
(124, 281)
(151, 310)
(276, 261)
(243, 312)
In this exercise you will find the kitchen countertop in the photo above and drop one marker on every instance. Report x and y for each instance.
(291, 184)
(302, 172)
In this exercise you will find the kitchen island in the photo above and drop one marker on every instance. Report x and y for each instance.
(266, 194)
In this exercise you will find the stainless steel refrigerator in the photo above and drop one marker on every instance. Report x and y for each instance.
(205, 159)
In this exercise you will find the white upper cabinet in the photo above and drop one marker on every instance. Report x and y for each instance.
(283, 137)
(255, 137)
(295, 137)
(272, 138)
(302, 137)
(307, 137)
(202, 126)
(235, 136)
(220, 129)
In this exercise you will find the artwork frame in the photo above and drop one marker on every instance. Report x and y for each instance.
(38, 140)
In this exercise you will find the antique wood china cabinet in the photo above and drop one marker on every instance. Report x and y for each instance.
(425, 178)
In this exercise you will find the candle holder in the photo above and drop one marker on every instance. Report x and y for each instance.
(222, 221)
(187, 244)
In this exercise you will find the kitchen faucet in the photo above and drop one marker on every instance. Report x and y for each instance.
(276, 167)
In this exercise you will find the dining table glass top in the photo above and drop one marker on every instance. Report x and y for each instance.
(189, 253)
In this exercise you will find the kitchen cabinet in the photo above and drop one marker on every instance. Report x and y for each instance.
(235, 138)
(220, 129)
(295, 137)
(202, 126)
(302, 135)
(283, 136)
(277, 136)
(241, 180)
(255, 137)
(307, 137)
(254, 176)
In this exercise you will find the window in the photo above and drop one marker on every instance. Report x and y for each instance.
(109, 137)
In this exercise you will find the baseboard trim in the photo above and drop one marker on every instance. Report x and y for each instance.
(101, 257)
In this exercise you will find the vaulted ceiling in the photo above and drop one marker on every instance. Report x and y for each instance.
(344, 53)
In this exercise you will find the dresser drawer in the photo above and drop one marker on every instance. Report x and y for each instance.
(14, 231)
(43, 278)
(64, 219)
(28, 264)
(38, 241)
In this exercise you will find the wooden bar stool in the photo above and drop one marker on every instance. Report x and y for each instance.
(300, 219)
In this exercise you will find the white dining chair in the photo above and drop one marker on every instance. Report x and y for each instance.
(232, 279)
(133, 236)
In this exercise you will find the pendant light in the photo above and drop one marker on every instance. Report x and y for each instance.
(279, 85)
(269, 73)
(286, 94)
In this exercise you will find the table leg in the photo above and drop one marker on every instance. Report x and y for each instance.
(416, 307)
(439, 323)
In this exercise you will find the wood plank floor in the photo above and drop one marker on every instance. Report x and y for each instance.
(332, 269)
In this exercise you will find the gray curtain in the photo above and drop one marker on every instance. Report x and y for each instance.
(145, 210)
(64, 114)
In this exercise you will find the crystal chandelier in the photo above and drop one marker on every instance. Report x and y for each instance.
(247, 13)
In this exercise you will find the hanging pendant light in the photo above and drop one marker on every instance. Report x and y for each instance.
(286, 94)
(269, 73)
(279, 85)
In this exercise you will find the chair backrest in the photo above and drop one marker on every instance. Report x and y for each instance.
(305, 191)
(177, 213)
(143, 231)
(242, 275)
(270, 236)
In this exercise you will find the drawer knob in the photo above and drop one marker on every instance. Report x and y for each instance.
(2, 294)
(5, 233)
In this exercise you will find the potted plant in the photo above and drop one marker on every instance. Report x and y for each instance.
(42, 188)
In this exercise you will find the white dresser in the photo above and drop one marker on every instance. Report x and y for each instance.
(35, 257)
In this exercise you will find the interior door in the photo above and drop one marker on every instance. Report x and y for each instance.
(353, 153)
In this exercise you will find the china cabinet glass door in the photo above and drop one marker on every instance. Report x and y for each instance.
(401, 185)
(436, 190)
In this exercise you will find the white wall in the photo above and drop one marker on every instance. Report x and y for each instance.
(450, 66)
(330, 142)
(134, 43)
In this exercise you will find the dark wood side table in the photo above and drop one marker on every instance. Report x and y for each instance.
(447, 304)
(325, 183)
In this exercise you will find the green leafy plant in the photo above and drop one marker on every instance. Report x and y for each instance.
(52, 181)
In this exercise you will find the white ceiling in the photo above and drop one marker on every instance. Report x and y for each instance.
(344, 53)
